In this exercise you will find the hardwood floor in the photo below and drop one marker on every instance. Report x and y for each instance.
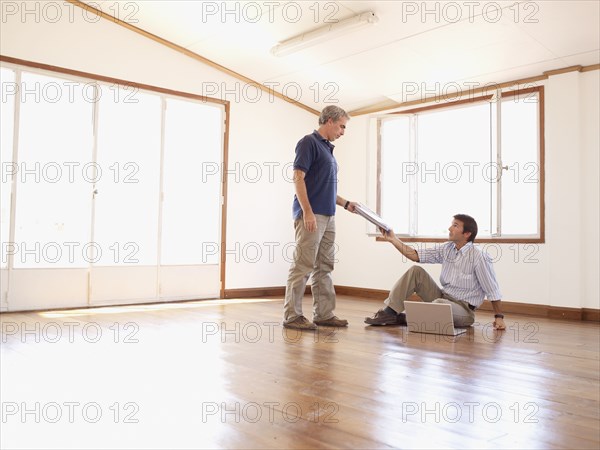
(225, 374)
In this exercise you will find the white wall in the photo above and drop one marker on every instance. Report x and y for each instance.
(263, 133)
(566, 271)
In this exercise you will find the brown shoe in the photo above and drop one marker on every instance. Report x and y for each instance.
(333, 322)
(300, 323)
(383, 318)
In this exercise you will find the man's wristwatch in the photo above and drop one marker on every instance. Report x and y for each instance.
(498, 316)
(346, 205)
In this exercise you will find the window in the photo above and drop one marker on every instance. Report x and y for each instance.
(101, 201)
(126, 192)
(53, 208)
(65, 162)
(190, 144)
(479, 157)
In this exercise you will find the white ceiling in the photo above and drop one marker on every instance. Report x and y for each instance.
(415, 49)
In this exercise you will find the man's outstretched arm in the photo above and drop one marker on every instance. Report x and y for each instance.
(341, 201)
(406, 250)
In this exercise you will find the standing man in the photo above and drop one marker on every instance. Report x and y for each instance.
(467, 277)
(315, 182)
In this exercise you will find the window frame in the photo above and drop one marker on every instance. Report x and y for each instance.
(539, 91)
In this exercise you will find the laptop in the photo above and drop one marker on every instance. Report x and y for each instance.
(433, 318)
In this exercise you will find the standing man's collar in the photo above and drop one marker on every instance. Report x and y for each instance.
(322, 139)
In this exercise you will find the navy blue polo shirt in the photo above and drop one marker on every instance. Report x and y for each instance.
(314, 156)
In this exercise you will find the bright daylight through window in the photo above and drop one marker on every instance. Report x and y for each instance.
(479, 157)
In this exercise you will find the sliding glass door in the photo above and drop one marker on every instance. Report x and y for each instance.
(52, 210)
(106, 201)
(7, 129)
(126, 197)
(190, 235)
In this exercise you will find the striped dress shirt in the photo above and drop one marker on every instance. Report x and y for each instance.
(467, 274)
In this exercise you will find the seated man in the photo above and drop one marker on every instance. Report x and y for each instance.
(467, 277)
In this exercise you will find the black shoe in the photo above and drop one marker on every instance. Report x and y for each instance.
(383, 318)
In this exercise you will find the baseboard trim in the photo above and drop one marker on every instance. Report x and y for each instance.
(273, 291)
(374, 294)
(590, 315)
(550, 312)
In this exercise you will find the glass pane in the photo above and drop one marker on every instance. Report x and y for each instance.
(192, 183)
(396, 172)
(128, 162)
(454, 168)
(9, 90)
(520, 150)
(52, 223)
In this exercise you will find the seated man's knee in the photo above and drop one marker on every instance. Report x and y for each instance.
(415, 270)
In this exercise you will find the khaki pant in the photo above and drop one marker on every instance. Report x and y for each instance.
(314, 254)
(417, 280)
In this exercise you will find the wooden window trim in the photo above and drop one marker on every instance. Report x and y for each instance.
(485, 240)
(105, 79)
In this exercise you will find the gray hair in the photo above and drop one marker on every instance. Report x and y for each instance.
(332, 112)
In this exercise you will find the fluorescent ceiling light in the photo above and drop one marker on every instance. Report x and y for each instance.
(324, 33)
